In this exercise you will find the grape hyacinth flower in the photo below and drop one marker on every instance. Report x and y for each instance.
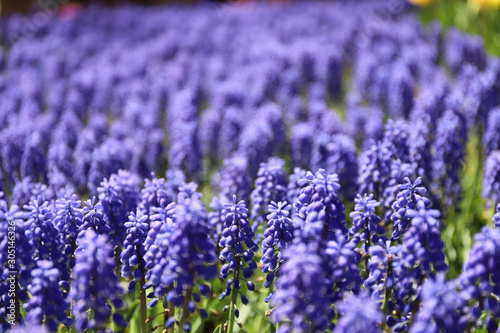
(270, 185)
(181, 257)
(441, 308)
(319, 213)
(11, 217)
(68, 219)
(47, 304)
(422, 250)
(365, 220)
(95, 283)
(491, 138)
(161, 223)
(451, 135)
(384, 270)
(233, 178)
(236, 236)
(278, 236)
(375, 169)
(132, 256)
(359, 314)
(93, 218)
(118, 196)
(155, 190)
(480, 278)
(293, 185)
(496, 217)
(491, 181)
(408, 197)
(44, 237)
(302, 298)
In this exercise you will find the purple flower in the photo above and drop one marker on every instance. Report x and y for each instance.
(68, 220)
(94, 282)
(491, 181)
(233, 178)
(408, 197)
(441, 308)
(183, 254)
(133, 252)
(491, 138)
(480, 278)
(319, 213)
(278, 235)
(359, 314)
(302, 297)
(270, 185)
(238, 246)
(365, 220)
(47, 304)
(451, 135)
(45, 239)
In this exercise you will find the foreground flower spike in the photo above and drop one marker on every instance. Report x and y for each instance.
(384, 267)
(236, 236)
(408, 197)
(11, 217)
(119, 195)
(133, 257)
(302, 298)
(278, 235)
(491, 181)
(270, 185)
(480, 279)
(95, 283)
(359, 314)
(68, 219)
(319, 213)
(441, 308)
(365, 220)
(47, 304)
(93, 218)
(422, 250)
(182, 257)
(45, 239)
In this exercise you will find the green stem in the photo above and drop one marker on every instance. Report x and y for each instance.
(142, 293)
(234, 297)
(167, 314)
(387, 294)
(185, 310)
(144, 311)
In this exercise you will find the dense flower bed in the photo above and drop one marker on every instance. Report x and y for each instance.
(162, 164)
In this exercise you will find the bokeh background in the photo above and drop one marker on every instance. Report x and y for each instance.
(481, 17)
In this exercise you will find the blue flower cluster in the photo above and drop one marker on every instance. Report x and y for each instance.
(238, 248)
(319, 213)
(95, 283)
(278, 235)
(129, 132)
(270, 185)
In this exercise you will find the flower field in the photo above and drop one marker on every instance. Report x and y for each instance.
(301, 167)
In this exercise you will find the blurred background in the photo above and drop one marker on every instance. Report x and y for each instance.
(481, 17)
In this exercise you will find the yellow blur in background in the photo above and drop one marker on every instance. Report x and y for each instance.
(478, 4)
(485, 4)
